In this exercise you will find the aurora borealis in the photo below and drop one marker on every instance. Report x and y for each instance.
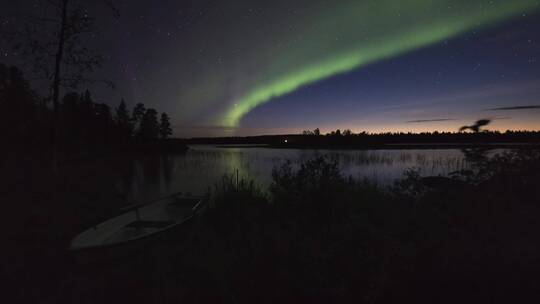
(262, 67)
(427, 22)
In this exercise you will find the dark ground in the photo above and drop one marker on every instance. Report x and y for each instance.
(472, 244)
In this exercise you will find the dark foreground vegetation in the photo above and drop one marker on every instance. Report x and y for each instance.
(314, 236)
(322, 237)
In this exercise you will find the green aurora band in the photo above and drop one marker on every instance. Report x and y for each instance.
(391, 28)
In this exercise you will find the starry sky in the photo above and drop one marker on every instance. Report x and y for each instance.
(269, 67)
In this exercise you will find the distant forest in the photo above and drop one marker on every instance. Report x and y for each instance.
(27, 119)
(346, 139)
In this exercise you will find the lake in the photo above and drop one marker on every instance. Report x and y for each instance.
(204, 165)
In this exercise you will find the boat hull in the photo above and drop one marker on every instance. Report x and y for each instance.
(170, 237)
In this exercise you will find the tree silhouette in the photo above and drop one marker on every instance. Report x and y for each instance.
(53, 45)
(87, 115)
(137, 116)
(103, 123)
(85, 122)
(149, 129)
(336, 133)
(17, 101)
(165, 126)
(123, 121)
(84, 125)
(72, 118)
(315, 132)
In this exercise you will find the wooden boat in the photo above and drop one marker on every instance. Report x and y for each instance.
(139, 225)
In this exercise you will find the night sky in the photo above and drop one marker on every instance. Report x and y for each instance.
(268, 67)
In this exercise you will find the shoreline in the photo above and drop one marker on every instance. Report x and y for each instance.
(396, 146)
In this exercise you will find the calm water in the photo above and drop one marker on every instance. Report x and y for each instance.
(202, 166)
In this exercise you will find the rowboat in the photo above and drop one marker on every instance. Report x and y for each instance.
(137, 226)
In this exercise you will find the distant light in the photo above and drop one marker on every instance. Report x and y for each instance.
(285, 141)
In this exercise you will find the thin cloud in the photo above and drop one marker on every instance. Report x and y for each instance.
(528, 107)
(430, 120)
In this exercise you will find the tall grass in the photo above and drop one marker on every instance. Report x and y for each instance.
(329, 236)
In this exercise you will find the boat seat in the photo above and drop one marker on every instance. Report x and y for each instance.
(150, 224)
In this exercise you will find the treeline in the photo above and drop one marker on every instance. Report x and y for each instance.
(348, 132)
(27, 119)
(85, 121)
(346, 139)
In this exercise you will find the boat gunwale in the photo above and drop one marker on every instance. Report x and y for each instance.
(195, 208)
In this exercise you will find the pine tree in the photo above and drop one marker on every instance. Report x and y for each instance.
(149, 128)
(123, 120)
(165, 126)
(137, 117)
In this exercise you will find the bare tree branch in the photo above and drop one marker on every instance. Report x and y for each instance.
(54, 48)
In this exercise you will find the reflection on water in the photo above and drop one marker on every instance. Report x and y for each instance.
(202, 166)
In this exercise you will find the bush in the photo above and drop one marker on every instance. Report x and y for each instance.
(328, 236)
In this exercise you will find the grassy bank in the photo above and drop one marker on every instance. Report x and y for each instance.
(313, 235)
(318, 236)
